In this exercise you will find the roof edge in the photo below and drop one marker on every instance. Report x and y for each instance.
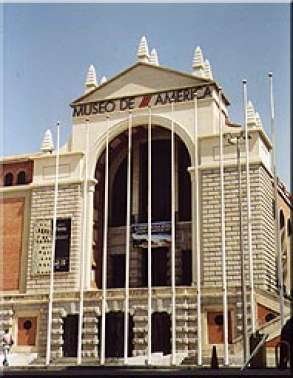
(164, 68)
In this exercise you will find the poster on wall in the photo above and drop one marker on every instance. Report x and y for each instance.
(62, 248)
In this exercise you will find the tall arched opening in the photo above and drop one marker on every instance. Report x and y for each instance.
(161, 210)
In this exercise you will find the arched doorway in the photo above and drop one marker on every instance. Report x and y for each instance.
(114, 334)
(161, 206)
(161, 332)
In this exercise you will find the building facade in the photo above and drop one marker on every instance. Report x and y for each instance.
(178, 116)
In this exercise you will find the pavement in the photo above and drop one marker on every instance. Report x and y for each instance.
(134, 372)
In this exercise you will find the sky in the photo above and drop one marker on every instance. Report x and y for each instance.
(47, 49)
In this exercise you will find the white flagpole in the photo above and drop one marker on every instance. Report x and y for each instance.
(173, 247)
(51, 288)
(249, 218)
(83, 249)
(126, 307)
(105, 247)
(223, 235)
(277, 225)
(149, 356)
(197, 232)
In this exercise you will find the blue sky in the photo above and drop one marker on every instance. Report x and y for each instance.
(48, 48)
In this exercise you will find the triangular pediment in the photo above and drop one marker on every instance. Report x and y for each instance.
(141, 78)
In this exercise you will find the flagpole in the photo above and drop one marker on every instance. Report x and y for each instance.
(197, 234)
(173, 241)
(277, 225)
(52, 263)
(249, 218)
(126, 315)
(241, 244)
(149, 356)
(105, 247)
(223, 236)
(83, 249)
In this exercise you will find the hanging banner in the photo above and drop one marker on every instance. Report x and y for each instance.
(138, 102)
(161, 234)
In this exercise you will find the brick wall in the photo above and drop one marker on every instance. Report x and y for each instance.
(15, 168)
(69, 205)
(11, 221)
(262, 313)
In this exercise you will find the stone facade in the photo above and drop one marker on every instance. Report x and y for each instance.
(262, 226)
(69, 206)
(80, 170)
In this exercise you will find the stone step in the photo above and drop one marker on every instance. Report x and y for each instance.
(19, 359)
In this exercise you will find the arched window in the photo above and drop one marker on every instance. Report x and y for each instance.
(21, 179)
(8, 179)
(270, 316)
(282, 219)
(289, 227)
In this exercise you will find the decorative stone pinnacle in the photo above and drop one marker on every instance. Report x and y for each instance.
(198, 64)
(198, 61)
(91, 78)
(208, 70)
(154, 57)
(258, 120)
(47, 143)
(143, 50)
(251, 116)
(103, 80)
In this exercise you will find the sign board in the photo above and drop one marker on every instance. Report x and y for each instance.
(62, 248)
(139, 102)
(161, 234)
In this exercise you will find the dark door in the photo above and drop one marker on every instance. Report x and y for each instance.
(159, 266)
(114, 335)
(70, 335)
(186, 260)
(161, 332)
(118, 271)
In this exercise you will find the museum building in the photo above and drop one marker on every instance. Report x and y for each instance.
(139, 226)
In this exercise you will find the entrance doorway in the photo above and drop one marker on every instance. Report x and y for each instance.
(161, 198)
(159, 266)
(114, 335)
(70, 335)
(161, 332)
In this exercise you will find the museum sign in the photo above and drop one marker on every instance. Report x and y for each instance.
(138, 102)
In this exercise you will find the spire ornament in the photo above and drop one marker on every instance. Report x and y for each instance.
(103, 80)
(251, 115)
(91, 79)
(198, 64)
(258, 120)
(208, 70)
(143, 50)
(154, 57)
(47, 143)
